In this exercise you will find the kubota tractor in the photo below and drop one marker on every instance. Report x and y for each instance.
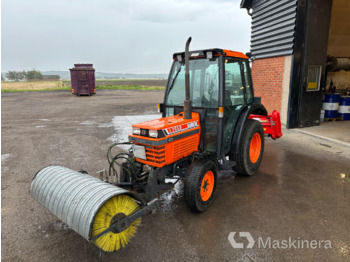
(211, 122)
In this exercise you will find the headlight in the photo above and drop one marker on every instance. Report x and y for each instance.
(153, 133)
(136, 131)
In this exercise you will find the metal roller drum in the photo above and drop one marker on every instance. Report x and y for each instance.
(76, 198)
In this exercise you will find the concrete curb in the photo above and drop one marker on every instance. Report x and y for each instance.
(322, 137)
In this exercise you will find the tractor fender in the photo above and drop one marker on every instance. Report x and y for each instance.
(256, 109)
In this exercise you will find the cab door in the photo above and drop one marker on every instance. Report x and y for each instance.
(235, 97)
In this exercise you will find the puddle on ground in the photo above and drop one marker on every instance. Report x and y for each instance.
(172, 199)
(122, 127)
(4, 158)
(87, 123)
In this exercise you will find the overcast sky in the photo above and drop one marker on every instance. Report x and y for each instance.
(117, 36)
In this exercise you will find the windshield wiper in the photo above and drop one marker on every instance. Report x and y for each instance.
(173, 82)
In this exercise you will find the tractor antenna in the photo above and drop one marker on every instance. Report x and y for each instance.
(187, 102)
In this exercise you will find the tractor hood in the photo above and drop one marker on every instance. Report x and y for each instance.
(165, 127)
(163, 141)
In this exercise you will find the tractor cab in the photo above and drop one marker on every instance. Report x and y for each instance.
(220, 89)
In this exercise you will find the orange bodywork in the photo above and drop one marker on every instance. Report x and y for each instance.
(235, 54)
(181, 138)
(216, 52)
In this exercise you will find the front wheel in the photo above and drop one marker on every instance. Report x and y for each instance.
(251, 149)
(200, 185)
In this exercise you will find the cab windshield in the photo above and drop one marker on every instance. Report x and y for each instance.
(204, 83)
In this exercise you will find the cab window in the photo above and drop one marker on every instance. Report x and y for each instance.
(248, 83)
(204, 83)
(234, 90)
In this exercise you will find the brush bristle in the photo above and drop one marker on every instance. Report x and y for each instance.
(110, 241)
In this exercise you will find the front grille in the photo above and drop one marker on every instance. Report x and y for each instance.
(159, 156)
(185, 146)
(155, 154)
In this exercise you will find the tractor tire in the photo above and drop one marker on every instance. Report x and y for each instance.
(251, 149)
(200, 185)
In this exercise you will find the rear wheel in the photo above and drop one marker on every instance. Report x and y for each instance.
(251, 149)
(200, 185)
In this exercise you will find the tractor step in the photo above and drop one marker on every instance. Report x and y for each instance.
(227, 165)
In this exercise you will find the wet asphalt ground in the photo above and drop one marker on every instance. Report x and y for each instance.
(296, 208)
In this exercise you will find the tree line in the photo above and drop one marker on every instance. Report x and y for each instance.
(31, 75)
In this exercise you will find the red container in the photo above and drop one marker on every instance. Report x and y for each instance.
(83, 79)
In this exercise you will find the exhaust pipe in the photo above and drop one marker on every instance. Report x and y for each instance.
(187, 102)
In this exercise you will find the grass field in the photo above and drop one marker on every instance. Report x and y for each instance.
(143, 84)
(33, 86)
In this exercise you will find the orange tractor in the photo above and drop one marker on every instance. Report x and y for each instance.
(220, 126)
(211, 122)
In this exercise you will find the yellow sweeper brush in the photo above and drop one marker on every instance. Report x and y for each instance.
(116, 207)
(102, 213)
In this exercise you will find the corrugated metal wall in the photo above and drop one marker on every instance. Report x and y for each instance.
(273, 26)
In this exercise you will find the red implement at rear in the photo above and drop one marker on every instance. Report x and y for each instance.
(270, 123)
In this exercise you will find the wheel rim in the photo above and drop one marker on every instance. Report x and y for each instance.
(255, 147)
(207, 185)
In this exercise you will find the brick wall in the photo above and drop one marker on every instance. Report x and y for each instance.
(267, 74)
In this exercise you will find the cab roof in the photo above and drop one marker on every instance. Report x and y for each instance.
(215, 52)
